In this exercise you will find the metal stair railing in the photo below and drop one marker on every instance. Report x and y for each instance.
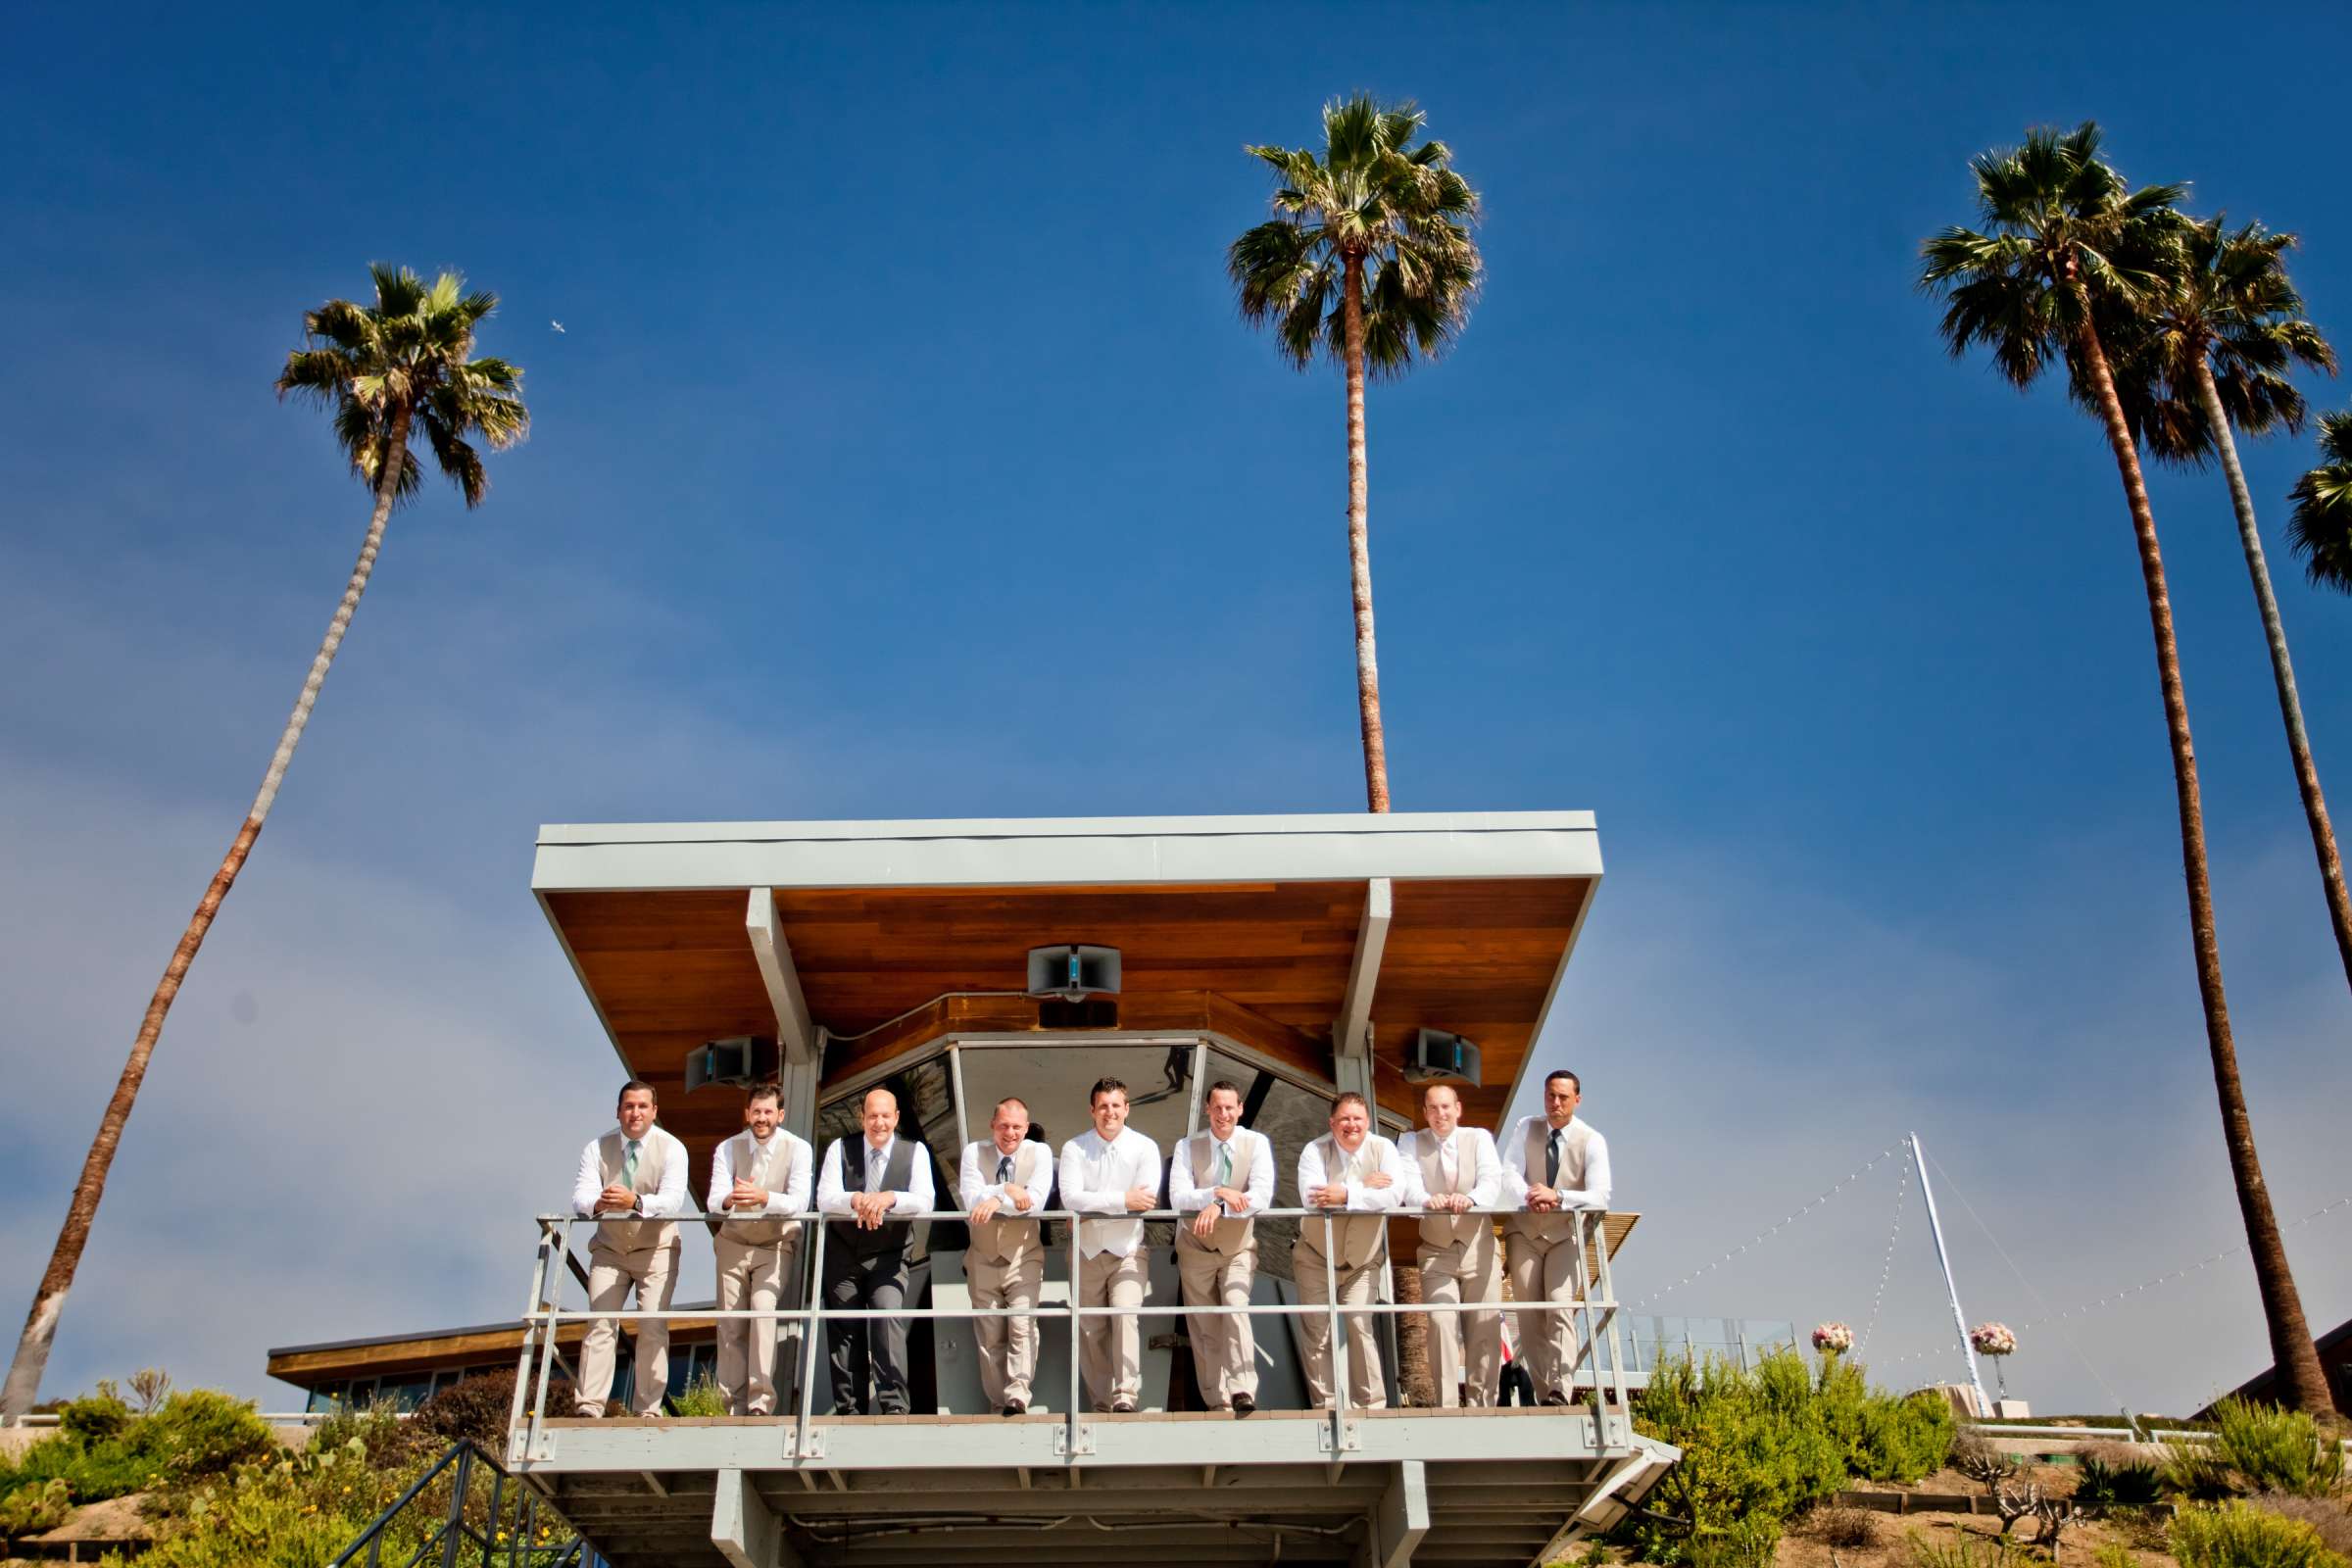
(510, 1528)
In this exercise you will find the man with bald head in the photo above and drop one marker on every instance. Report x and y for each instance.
(866, 1179)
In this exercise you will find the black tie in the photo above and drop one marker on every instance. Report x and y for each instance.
(1004, 1169)
(1551, 1161)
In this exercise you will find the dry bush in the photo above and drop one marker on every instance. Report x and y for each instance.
(1844, 1527)
(2332, 1517)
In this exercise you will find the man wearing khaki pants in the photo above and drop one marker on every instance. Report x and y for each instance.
(757, 1178)
(1552, 1167)
(1355, 1173)
(1454, 1169)
(1111, 1170)
(634, 1178)
(1223, 1176)
(1004, 1175)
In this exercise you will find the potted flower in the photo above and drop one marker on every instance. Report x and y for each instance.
(1833, 1340)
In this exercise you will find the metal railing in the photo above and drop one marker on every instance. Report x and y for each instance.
(506, 1530)
(1592, 1309)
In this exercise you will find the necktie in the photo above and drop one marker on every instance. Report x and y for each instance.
(628, 1165)
(1004, 1169)
(876, 1158)
(1446, 1166)
(1224, 1164)
(1551, 1161)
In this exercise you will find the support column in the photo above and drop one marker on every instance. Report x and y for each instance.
(1351, 1031)
(1396, 1525)
(744, 1530)
(800, 1044)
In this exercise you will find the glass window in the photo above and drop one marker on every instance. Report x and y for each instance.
(406, 1394)
(1053, 1081)
(1290, 1117)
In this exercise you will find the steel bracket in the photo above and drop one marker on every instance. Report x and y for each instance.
(1072, 1446)
(1340, 1436)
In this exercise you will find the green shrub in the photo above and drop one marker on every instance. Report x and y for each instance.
(1752, 1542)
(34, 1507)
(96, 1417)
(701, 1398)
(200, 1433)
(2332, 1517)
(2256, 1449)
(2278, 1451)
(2132, 1485)
(1962, 1549)
(476, 1409)
(2234, 1536)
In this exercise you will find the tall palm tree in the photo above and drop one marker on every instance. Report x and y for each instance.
(2208, 354)
(2322, 529)
(1369, 261)
(2060, 227)
(385, 369)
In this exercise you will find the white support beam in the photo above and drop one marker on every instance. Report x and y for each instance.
(798, 1041)
(744, 1530)
(1403, 1517)
(1351, 1034)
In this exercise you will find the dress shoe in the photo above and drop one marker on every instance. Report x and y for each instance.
(1556, 1396)
(1014, 1408)
(1122, 1407)
(1244, 1404)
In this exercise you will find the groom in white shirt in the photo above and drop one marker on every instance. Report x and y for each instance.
(1110, 1169)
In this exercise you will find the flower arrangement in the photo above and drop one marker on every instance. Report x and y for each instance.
(1991, 1339)
(1833, 1339)
(1994, 1340)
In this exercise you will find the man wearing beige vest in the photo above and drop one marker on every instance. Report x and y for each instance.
(1454, 1169)
(760, 1180)
(636, 1174)
(1222, 1175)
(1552, 1167)
(1111, 1170)
(1004, 1175)
(1355, 1171)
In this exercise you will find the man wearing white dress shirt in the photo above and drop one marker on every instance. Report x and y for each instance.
(865, 1180)
(760, 1180)
(1454, 1169)
(1110, 1169)
(635, 1173)
(1552, 1165)
(1006, 1175)
(1355, 1171)
(1222, 1175)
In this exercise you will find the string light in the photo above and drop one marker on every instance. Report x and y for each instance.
(2113, 1297)
(1766, 1234)
(1886, 1268)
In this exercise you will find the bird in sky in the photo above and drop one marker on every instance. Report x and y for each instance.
(558, 325)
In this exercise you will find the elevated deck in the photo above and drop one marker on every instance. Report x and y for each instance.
(1509, 1486)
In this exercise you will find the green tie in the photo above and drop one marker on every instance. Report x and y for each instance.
(629, 1167)
(1224, 1165)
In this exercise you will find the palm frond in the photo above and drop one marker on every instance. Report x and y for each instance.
(407, 358)
(2320, 530)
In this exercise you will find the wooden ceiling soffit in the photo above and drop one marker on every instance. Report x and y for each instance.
(1170, 1011)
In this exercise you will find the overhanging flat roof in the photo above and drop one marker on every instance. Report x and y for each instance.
(1298, 927)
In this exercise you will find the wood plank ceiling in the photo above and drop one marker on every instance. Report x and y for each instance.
(671, 970)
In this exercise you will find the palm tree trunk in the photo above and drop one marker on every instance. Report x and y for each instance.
(1414, 1375)
(1359, 546)
(31, 1359)
(2283, 672)
(2294, 1354)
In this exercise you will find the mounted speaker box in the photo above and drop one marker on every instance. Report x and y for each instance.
(1074, 970)
(1432, 1054)
(743, 1060)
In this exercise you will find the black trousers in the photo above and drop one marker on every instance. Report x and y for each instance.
(858, 1346)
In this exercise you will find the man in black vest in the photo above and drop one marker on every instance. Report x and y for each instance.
(866, 1254)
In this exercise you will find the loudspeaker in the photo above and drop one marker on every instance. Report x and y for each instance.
(1074, 970)
(743, 1060)
(1433, 1053)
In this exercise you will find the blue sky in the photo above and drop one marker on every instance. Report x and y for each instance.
(902, 399)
